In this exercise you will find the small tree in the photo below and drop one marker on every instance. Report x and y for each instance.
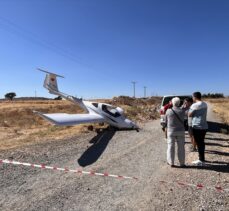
(10, 95)
(214, 95)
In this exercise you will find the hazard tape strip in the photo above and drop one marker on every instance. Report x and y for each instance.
(66, 170)
(198, 186)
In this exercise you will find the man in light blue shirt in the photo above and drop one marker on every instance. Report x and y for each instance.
(198, 112)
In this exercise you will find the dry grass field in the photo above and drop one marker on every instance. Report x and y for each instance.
(221, 107)
(20, 126)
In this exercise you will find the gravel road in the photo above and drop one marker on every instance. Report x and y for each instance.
(129, 153)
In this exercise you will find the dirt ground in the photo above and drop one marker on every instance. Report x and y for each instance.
(123, 153)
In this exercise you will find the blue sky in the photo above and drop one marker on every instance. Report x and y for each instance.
(100, 46)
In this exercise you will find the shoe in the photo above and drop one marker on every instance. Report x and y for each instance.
(183, 166)
(198, 163)
(172, 165)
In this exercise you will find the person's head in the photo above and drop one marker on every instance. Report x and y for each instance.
(176, 101)
(196, 96)
(188, 101)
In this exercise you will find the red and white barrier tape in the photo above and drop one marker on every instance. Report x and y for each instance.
(198, 186)
(66, 170)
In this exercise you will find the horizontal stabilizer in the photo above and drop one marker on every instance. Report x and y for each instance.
(44, 71)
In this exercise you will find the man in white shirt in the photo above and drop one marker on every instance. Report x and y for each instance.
(198, 112)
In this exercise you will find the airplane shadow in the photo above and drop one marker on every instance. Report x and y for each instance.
(100, 142)
(215, 127)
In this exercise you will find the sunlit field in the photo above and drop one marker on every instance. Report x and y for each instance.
(20, 126)
(221, 107)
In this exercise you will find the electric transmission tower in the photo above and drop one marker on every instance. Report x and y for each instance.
(134, 87)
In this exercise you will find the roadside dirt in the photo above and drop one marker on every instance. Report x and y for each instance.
(123, 153)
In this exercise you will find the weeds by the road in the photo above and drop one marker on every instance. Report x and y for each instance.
(221, 107)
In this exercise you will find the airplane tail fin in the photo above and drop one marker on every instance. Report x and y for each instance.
(50, 82)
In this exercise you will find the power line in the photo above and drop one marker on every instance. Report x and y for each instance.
(13, 28)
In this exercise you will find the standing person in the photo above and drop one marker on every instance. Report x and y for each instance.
(174, 119)
(198, 113)
(187, 105)
(166, 107)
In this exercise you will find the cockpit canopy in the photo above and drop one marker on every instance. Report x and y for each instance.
(113, 111)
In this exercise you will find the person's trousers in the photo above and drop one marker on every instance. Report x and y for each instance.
(180, 139)
(199, 136)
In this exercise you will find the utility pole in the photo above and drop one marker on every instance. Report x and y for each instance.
(35, 93)
(134, 84)
(145, 87)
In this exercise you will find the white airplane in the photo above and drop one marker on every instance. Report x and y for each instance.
(96, 112)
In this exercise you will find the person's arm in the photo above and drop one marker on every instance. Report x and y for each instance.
(191, 111)
(166, 107)
(166, 118)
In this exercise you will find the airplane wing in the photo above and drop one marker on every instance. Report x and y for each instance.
(63, 119)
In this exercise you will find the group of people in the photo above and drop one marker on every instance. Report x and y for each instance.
(194, 112)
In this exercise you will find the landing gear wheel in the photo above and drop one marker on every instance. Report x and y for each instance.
(99, 130)
(90, 128)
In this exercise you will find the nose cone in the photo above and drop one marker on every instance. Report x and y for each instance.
(130, 124)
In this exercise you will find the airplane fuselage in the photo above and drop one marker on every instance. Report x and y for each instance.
(112, 115)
